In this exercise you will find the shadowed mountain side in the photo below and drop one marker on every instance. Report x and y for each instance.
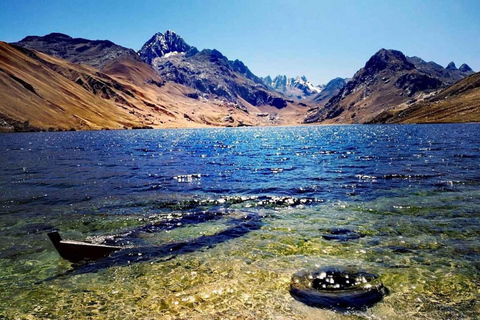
(458, 103)
(239, 228)
(448, 75)
(210, 73)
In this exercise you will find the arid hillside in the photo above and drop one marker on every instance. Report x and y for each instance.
(458, 103)
(388, 81)
(41, 92)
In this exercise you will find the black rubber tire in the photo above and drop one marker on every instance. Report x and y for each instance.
(306, 287)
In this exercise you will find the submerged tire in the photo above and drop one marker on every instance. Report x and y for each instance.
(337, 289)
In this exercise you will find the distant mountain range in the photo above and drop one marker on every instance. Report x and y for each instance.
(298, 88)
(303, 90)
(57, 82)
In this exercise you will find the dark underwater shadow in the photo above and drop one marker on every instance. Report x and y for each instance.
(239, 228)
(134, 237)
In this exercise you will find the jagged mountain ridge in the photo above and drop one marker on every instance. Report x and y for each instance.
(298, 87)
(95, 53)
(388, 79)
(207, 71)
(163, 44)
(447, 75)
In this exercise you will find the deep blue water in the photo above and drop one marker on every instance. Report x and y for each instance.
(214, 208)
(323, 163)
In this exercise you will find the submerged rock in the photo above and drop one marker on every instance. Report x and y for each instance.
(340, 234)
(337, 289)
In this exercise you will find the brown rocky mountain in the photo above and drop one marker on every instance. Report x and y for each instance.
(209, 72)
(39, 92)
(42, 92)
(458, 103)
(448, 75)
(69, 83)
(388, 80)
(104, 55)
(95, 53)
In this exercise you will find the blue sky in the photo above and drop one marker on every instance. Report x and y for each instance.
(319, 39)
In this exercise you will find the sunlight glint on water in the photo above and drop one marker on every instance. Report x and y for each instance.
(242, 210)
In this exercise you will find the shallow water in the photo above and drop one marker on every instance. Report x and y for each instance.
(224, 217)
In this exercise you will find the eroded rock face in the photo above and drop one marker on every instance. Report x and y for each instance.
(207, 71)
(412, 83)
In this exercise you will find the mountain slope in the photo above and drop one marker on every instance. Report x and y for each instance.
(331, 89)
(104, 55)
(389, 79)
(41, 92)
(209, 72)
(36, 94)
(458, 103)
(95, 53)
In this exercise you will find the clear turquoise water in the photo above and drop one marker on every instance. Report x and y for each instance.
(224, 217)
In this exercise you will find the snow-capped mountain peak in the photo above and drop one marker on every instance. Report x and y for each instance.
(298, 87)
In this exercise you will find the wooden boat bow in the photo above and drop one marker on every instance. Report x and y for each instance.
(77, 251)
